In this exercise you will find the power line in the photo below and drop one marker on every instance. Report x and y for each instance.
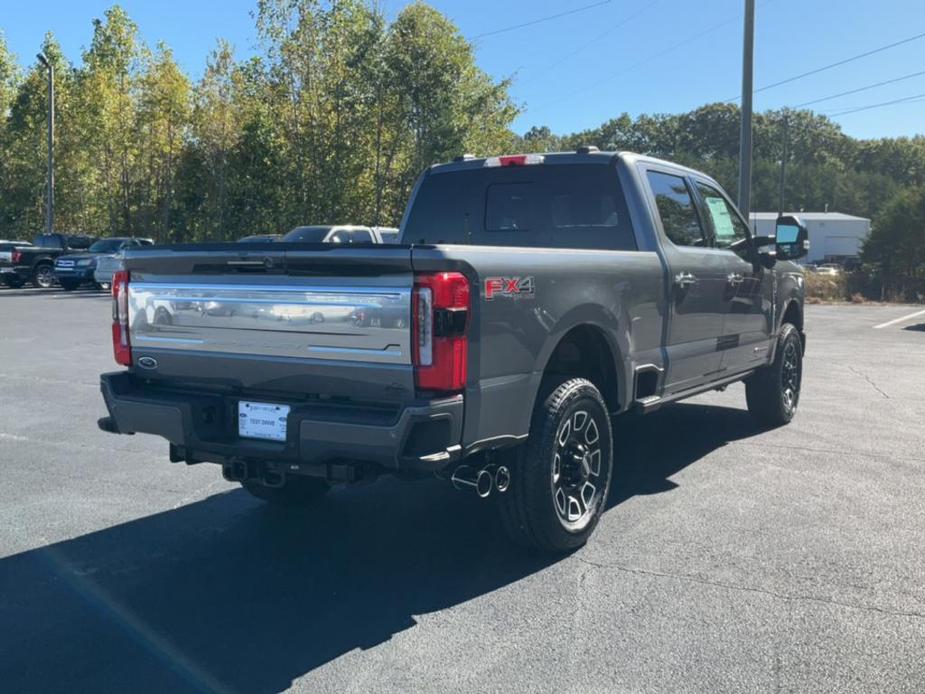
(870, 106)
(817, 70)
(638, 63)
(860, 89)
(623, 22)
(540, 20)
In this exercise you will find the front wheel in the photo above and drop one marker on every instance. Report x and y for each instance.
(561, 477)
(773, 392)
(297, 492)
(68, 285)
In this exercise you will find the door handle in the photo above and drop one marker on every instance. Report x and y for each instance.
(685, 279)
(735, 279)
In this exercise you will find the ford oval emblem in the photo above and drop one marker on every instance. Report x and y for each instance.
(147, 362)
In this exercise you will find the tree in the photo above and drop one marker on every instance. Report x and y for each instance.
(896, 246)
(441, 104)
(25, 150)
(163, 121)
(107, 93)
(215, 132)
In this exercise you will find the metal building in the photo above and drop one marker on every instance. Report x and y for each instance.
(833, 237)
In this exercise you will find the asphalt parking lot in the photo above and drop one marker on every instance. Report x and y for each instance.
(731, 559)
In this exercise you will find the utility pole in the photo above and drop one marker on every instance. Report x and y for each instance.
(50, 199)
(745, 140)
(783, 163)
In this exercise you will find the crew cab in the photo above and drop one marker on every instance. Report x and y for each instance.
(36, 263)
(531, 299)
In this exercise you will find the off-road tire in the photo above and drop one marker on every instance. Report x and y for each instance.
(530, 510)
(773, 392)
(298, 492)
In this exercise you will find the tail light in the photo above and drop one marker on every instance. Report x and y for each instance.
(16, 256)
(439, 343)
(121, 348)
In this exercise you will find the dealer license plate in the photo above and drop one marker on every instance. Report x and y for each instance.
(262, 420)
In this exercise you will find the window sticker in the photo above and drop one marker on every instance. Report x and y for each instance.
(722, 222)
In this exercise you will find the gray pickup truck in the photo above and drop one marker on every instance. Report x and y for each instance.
(532, 298)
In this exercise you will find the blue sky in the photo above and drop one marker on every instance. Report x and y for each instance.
(574, 72)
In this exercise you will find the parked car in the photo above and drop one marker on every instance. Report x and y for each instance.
(336, 233)
(76, 269)
(106, 265)
(35, 263)
(543, 295)
(828, 269)
(258, 238)
(386, 234)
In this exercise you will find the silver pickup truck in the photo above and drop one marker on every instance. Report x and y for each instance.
(531, 299)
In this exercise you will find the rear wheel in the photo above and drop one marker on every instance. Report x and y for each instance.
(561, 477)
(297, 492)
(43, 276)
(773, 393)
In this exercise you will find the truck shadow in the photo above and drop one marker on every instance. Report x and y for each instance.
(222, 594)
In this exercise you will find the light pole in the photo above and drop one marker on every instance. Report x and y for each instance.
(783, 164)
(745, 140)
(50, 205)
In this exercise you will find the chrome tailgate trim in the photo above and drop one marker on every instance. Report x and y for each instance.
(369, 323)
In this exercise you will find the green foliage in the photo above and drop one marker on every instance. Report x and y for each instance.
(897, 245)
(825, 167)
(332, 123)
(336, 118)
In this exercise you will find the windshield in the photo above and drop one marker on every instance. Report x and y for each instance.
(106, 246)
(307, 234)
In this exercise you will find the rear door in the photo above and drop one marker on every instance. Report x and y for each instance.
(749, 311)
(697, 276)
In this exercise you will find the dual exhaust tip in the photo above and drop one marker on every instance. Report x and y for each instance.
(484, 481)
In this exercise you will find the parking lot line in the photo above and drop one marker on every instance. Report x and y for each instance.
(899, 320)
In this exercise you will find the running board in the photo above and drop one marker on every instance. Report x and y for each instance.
(653, 402)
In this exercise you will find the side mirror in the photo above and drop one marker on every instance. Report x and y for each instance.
(790, 238)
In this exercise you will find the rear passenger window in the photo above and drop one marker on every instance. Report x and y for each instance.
(507, 207)
(676, 209)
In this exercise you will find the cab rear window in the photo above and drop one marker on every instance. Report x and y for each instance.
(551, 206)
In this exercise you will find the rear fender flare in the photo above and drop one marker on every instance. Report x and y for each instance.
(611, 328)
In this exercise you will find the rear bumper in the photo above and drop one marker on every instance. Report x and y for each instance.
(420, 436)
(20, 272)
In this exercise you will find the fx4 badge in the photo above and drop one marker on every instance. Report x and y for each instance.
(511, 287)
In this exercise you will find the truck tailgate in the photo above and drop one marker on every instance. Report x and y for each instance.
(305, 319)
